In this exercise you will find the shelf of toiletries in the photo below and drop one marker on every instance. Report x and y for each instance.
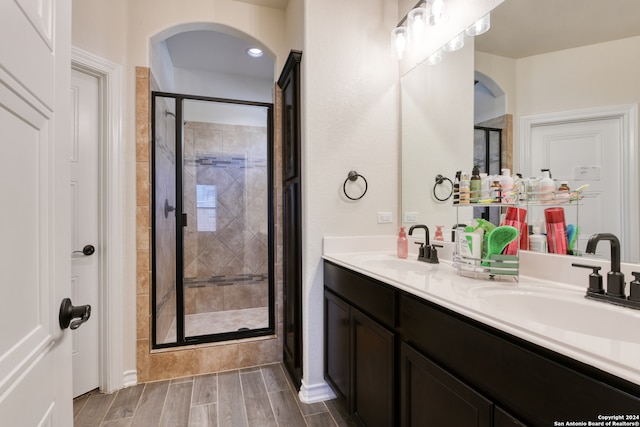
(506, 190)
(485, 249)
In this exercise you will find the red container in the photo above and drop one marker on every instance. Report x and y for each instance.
(517, 217)
(556, 231)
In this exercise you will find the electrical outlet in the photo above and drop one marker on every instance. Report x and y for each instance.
(411, 217)
(385, 218)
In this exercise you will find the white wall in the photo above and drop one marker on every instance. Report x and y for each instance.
(350, 122)
(222, 85)
(162, 67)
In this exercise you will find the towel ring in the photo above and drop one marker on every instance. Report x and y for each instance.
(439, 180)
(353, 176)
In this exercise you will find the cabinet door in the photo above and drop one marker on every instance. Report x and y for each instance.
(430, 396)
(289, 82)
(373, 364)
(336, 344)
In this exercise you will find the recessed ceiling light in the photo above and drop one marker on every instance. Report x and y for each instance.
(254, 52)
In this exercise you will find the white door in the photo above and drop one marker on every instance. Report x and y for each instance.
(35, 353)
(84, 226)
(584, 152)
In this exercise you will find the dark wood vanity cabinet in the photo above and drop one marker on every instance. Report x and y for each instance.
(399, 360)
(359, 351)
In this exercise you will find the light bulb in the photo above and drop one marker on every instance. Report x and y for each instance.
(417, 19)
(254, 52)
(481, 26)
(399, 41)
(437, 14)
(454, 44)
(435, 57)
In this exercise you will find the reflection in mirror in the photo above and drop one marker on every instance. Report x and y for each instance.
(570, 82)
(437, 132)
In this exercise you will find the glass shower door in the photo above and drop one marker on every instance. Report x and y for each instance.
(212, 258)
(226, 192)
(164, 156)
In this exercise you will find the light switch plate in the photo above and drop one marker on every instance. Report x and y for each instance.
(385, 218)
(411, 217)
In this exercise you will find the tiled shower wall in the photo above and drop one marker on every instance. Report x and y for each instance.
(206, 358)
(226, 268)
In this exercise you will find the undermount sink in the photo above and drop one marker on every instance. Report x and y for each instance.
(568, 311)
(391, 262)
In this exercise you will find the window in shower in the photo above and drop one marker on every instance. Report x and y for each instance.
(212, 255)
(206, 205)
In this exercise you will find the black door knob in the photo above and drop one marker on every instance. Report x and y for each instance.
(87, 250)
(68, 312)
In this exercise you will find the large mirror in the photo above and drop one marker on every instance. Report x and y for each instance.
(566, 72)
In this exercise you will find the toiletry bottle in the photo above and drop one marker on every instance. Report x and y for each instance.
(546, 188)
(556, 231)
(506, 182)
(456, 188)
(537, 242)
(517, 218)
(438, 234)
(485, 186)
(403, 244)
(470, 245)
(496, 192)
(564, 192)
(532, 188)
(476, 185)
(465, 189)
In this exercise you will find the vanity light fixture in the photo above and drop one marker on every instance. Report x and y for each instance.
(411, 29)
(254, 52)
(481, 26)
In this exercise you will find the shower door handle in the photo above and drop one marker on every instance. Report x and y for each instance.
(184, 219)
(68, 312)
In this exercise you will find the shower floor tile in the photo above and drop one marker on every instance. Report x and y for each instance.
(221, 321)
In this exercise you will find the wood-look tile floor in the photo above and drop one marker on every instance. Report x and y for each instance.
(261, 397)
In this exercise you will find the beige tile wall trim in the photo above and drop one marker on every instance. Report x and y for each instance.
(193, 360)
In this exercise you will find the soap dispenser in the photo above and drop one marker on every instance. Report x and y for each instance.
(403, 244)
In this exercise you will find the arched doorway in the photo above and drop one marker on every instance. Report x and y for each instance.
(212, 186)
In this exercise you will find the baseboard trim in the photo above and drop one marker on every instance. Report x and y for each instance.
(130, 378)
(315, 392)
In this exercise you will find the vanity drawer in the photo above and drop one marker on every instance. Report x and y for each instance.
(373, 298)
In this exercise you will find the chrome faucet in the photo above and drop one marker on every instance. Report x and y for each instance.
(426, 252)
(615, 279)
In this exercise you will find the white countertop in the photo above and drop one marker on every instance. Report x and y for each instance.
(550, 314)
